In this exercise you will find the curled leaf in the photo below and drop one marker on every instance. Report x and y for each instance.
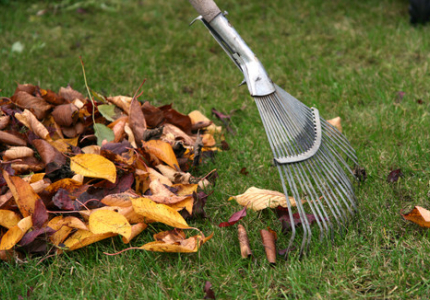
(258, 199)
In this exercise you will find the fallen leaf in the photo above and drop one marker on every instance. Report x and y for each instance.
(136, 229)
(209, 293)
(245, 248)
(418, 215)
(8, 218)
(162, 151)
(394, 175)
(236, 217)
(15, 234)
(23, 193)
(172, 241)
(158, 212)
(94, 166)
(269, 245)
(258, 199)
(105, 221)
(82, 238)
(36, 105)
(103, 133)
(17, 152)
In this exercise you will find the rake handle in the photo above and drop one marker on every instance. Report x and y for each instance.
(206, 8)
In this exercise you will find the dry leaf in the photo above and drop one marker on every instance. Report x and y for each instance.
(94, 166)
(15, 234)
(245, 249)
(158, 212)
(174, 241)
(258, 199)
(17, 152)
(162, 151)
(8, 218)
(269, 245)
(105, 221)
(82, 238)
(32, 123)
(24, 195)
(419, 215)
(336, 122)
(136, 229)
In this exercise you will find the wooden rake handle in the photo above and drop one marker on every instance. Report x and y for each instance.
(206, 8)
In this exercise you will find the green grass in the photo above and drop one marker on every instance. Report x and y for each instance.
(348, 58)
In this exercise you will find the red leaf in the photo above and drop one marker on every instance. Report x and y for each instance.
(209, 293)
(286, 222)
(394, 175)
(234, 218)
(62, 200)
(40, 215)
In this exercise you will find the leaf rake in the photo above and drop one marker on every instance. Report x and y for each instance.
(310, 154)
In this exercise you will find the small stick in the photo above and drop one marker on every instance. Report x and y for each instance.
(269, 245)
(245, 249)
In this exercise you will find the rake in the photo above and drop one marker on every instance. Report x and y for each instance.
(310, 154)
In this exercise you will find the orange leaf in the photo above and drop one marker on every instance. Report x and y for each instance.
(23, 193)
(419, 215)
(94, 166)
(82, 238)
(158, 212)
(172, 241)
(8, 218)
(104, 221)
(162, 151)
(15, 234)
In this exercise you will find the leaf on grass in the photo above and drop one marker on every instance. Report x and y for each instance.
(419, 215)
(82, 238)
(394, 175)
(8, 218)
(336, 122)
(174, 241)
(297, 219)
(158, 212)
(162, 150)
(105, 221)
(236, 217)
(15, 234)
(209, 293)
(102, 132)
(258, 199)
(94, 166)
(24, 195)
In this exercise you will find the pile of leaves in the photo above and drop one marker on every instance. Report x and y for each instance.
(75, 171)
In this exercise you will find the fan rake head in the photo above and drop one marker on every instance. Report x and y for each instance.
(311, 156)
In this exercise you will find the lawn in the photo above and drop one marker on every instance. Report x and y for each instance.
(348, 58)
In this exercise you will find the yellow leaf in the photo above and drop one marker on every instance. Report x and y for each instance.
(173, 241)
(158, 212)
(187, 204)
(8, 218)
(419, 215)
(66, 183)
(62, 231)
(122, 199)
(15, 234)
(258, 199)
(82, 238)
(23, 193)
(31, 122)
(94, 166)
(162, 151)
(185, 189)
(135, 230)
(104, 221)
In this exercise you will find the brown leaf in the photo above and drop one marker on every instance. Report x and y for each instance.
(172, 116)
(36, 105)
(418, 215)
(4, 121)
(269, 245)
(177, 134)
(122, 102)
(10, 139)
(52, 98)
(64, 115)
(137, 122)
(153, 115)
(28, 88)
(31, 122)
(17, 152)
(245, 249)
(40, 215)
(70, 94)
